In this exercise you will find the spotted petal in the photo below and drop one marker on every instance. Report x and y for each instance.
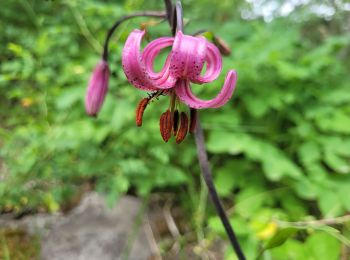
(149, 54)
(135, 69)
(187, 56)
(184, 92)
(214, 65)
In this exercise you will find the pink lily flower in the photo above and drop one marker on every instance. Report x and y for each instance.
(183, 65)
(97, 88)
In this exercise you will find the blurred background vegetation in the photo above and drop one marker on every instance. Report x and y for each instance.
(280, 150)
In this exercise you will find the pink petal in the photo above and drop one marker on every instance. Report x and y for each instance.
(97, 88)
(187, 56)
(214, 65)
(131, 61)
(184, 92)
(135, 69)
(149, 54)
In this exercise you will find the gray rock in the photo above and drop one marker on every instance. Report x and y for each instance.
(38, 224)
(93, 231)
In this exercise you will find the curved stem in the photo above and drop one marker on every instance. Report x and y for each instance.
(123, 19)
(203, 157)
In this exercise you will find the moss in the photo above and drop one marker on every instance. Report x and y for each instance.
(17, 244)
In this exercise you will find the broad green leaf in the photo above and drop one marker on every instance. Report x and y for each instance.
(322, 246)
(292, 249)
(227, 178)
(329, 203)
(309, 153)
(335, 121)
(275, 164)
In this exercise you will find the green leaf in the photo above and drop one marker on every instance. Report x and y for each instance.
(275, 163)
(309, 153)
(281, 237)
(343, 192)
(337, 163)
(239, 224)
(51, 203)
(335, 120)
(306, 189)
(226, 179)
(291, 249)
(329, 203)
(251, 200)
(335, 233)
(323, 246)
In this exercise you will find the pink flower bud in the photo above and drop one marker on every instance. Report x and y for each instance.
(97, 88)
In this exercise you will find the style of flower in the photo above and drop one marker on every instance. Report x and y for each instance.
(97, 88)
(183, 65)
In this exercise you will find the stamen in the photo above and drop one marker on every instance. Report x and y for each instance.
(165, 125)
(175, 122)
(140, 110)
(193, 120)
(181, 134)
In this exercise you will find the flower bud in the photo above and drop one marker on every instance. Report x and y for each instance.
(97, 88)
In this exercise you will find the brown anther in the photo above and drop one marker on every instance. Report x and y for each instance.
(181, 134)
(140, 110)
(193, 120)
(165, 125)
(223, 47)
(175, 121)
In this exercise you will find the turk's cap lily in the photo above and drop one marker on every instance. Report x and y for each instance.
(97, 88)
(183, 65)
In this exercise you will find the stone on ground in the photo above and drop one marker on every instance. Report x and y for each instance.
(93, 231)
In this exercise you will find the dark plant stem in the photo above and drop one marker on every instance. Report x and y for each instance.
(169, 11)
(207, 175)
(123, 19)
(177, 24)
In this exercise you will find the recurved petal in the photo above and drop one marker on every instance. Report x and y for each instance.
(151, 51)
(213, 65)
(184, 92)
(133, 66)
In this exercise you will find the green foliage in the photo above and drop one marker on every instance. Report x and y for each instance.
(280, 238)
(50, 145)
(280, 150)
(317, 246)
